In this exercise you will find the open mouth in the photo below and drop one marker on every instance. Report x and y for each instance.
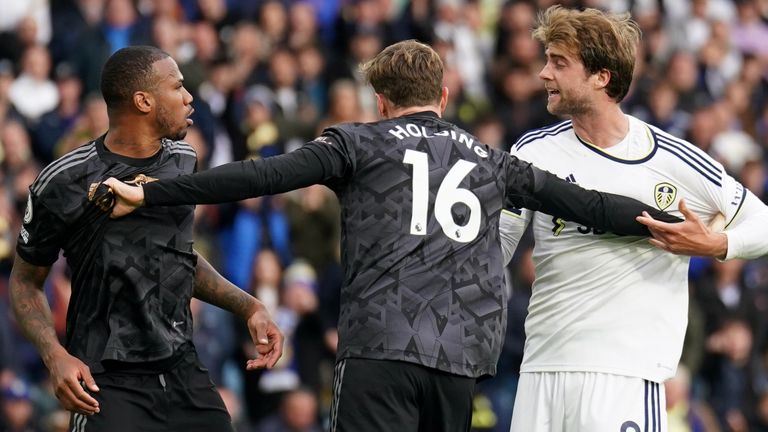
(553, 92)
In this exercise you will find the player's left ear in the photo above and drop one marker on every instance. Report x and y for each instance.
(143, 101)
(443, 99)
(383, 105)
(602, 78)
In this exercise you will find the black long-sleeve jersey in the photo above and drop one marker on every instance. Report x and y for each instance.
(132, 278)
(420, 200)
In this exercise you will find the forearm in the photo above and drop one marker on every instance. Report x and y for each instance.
(748, 233)
(246, 179)
(31, 309)
(605, 211)
(213, 288)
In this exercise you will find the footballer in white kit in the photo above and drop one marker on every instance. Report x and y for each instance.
(608, 314)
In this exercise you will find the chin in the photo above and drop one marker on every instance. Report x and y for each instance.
(178, 135)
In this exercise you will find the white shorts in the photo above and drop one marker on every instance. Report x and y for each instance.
(588, 402)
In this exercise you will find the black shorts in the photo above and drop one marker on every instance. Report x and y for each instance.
(181, 400)
(385, 395)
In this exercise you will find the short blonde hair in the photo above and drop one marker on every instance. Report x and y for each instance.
(599, 40)
(408, 73)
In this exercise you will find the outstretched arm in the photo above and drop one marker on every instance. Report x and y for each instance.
(213, 288)
(314, 163)
(605, 211)
(33, 316)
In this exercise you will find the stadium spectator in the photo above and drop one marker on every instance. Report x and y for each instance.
(32, 92)
(298, 412)
(54, 124)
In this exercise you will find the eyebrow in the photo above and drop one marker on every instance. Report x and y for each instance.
(556, 56)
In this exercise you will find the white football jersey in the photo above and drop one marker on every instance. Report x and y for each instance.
(602, 302)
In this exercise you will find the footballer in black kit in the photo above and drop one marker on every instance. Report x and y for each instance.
(132, 280)
(420, 201)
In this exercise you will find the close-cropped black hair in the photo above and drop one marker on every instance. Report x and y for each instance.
(127, 71)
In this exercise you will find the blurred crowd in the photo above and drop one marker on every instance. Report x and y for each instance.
(268, 75)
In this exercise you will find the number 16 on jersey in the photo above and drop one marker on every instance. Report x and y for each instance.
(448, 194)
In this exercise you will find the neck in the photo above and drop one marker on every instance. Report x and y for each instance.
(603, 127)
(132, 141)
(404, 111)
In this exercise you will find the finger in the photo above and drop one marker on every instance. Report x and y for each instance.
(71, 402)
(687, 213)
(79, 392)
(651, 223)
(257, 363)
(659, 244)
(643, 220)
(260, 334)
(112, 182)
(250, 365)
(644, 216)
(277, 350)
(90, 383)
(656, 234)
(119, 210)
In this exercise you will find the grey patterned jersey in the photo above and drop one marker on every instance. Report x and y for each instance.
(420, 244)
(132, 278)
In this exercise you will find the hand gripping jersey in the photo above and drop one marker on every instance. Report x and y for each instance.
(132, 278)
(603, 303)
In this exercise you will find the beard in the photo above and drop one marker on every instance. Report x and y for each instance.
(165, 124)
(572, 105)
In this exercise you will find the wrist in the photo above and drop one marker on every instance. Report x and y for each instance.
(255, 307)
(49, 357)
(720, 246)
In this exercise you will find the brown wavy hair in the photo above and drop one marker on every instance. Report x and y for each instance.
(600, 40)
(408, 73)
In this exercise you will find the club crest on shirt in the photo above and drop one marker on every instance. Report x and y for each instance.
(28, 211)
(665, 195)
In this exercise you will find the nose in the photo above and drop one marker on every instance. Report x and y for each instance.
(187, 97)
(545, 73)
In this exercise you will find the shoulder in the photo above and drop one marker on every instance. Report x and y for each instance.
(683, 152)
(179, 147)
(540, 134)
(64, 168)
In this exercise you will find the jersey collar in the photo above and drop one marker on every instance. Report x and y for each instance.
(107, 155)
